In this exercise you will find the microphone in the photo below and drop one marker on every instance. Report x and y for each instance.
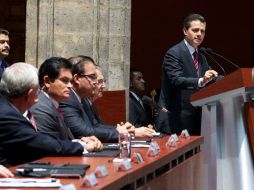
(147, 100)
(205, 52)
(209, 50)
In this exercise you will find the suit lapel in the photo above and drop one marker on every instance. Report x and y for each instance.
(138, 105)
(65, 132)
(90, 114)
(96, 115)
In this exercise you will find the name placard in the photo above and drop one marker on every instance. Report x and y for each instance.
(155, 145)
(152, 151)
(101, 171)
(185, 134)
(124, 165)
(90, 180)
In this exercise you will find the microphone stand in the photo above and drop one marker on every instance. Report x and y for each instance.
(204, 51)
(222, 57)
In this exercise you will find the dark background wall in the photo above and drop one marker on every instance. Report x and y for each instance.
(157, 25)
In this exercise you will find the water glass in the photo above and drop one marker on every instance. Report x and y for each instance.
(125, 145)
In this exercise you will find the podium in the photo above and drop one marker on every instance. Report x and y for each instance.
(228, 163)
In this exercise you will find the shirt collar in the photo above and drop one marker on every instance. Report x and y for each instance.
(25, 114)
(190, 48)
(56, 104)
(135, 96)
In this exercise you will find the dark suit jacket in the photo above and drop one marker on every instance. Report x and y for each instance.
(179, 82)
(48, 119)
(20, 143)
(138, 115)
(2, 67)
(83, 122)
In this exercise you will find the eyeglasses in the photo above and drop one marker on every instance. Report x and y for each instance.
(93, 77)
(102, 81)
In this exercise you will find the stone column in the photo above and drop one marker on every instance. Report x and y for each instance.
(97, 28)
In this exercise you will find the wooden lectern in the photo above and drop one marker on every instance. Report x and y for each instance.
(228, 163)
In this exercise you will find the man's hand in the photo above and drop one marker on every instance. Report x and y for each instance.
(144, 131)
(125, 128)
(4, 172)
(209, 75)
(92, 143)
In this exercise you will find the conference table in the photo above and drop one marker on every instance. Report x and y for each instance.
(175, 167)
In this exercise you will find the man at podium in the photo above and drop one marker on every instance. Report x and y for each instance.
(185, 71)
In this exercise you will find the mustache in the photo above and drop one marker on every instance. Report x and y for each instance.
(7, 49)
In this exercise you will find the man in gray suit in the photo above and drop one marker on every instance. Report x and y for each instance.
(55, 80)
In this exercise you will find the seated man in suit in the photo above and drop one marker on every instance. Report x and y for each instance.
(4, 172)
(78, 112)
(139, 113)
(55, 80)
(4, 49)
(139, 131)
(19, 140)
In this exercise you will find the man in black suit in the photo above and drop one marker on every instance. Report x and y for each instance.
(139, 113)
(55, 80)
(79, 113)
(185, 71)
(4, 49)
(19, 140)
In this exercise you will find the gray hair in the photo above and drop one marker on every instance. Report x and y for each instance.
(17, 79)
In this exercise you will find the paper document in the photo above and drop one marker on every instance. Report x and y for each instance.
(140, 145)
(29, 182)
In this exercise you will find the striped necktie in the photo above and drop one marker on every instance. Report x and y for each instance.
(195, 60)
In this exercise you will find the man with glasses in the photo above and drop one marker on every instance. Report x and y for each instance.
(78, 110)
(100, 87)
(55, 81)
(4, 49)
(139, 130)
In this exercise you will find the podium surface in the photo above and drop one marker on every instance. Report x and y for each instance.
(228, 163)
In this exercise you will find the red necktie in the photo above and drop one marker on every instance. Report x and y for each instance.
(195, 56)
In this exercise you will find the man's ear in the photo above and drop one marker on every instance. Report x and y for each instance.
(28, 94)
(76, 79)
(46, 81)
(185, 31)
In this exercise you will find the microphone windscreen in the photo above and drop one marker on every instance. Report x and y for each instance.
(147, 100)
